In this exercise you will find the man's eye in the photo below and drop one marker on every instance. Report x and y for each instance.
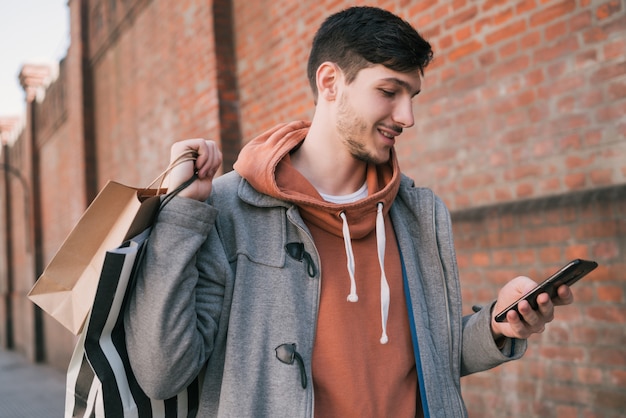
(387, 93)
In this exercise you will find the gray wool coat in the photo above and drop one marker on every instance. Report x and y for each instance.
(217, 294)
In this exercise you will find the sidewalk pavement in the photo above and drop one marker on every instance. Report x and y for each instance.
(29, 390)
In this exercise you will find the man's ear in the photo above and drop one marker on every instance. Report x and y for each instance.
(328, 77)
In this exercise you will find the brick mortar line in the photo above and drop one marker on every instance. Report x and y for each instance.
(581, 197)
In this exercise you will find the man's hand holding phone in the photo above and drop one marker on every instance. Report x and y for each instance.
(526, 321)
(524, 307)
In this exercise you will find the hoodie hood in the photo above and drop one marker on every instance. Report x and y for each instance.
(266, 164)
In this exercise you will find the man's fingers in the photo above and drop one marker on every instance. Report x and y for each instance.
(545, 307)
(564, 296)
(209, 159)
(206, 165)
(528, 321)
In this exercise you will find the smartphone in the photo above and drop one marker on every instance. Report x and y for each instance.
(568, 274)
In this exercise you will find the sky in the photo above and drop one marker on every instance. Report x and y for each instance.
(34, 31)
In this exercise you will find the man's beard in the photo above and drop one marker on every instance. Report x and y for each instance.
(352, 129)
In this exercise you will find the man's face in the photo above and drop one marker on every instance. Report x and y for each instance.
(374, 109)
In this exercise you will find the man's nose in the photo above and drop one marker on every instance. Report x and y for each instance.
(403, 113)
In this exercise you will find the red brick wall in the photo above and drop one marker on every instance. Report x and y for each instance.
(60, 131)
(22, 244)
(154, 76)
(273, 42)
(577, 368)
(62, 204)
(525, 99)
(520, 128)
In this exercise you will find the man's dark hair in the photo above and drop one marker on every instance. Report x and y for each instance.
(360, 37)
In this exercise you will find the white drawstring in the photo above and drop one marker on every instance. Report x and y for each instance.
(352, 297)
(384, 285)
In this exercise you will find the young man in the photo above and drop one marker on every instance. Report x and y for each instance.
(316, 279)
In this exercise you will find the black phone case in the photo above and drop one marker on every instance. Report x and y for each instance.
(568, 274)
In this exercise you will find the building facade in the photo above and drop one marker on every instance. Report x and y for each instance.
(520, 128)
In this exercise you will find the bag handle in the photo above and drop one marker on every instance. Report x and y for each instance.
(189, 155)
(169, 196)
(152, 204)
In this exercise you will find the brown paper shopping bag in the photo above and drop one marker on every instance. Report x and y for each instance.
(67, 287)
(100, 381)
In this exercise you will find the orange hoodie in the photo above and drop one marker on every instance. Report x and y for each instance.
(355, 372)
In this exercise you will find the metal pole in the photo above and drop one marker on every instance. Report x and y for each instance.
(36, 228)
(8, 171)
(8, 303)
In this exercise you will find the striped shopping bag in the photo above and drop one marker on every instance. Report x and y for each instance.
(100, 382)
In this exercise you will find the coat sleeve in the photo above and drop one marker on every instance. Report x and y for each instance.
(173, 314)
(479, 350)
